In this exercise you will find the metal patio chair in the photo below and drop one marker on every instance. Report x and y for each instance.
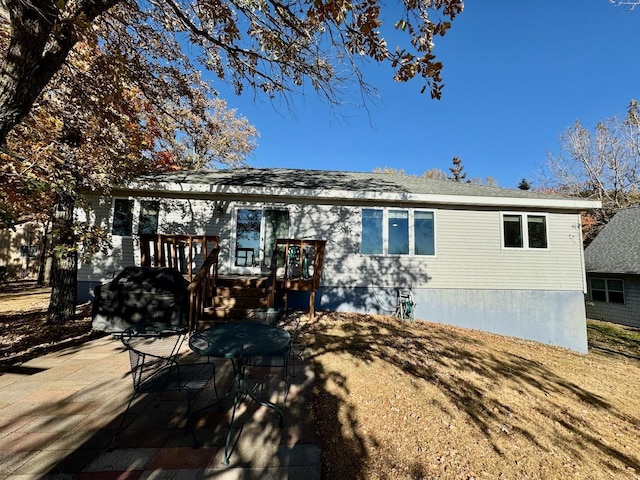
(153, 349)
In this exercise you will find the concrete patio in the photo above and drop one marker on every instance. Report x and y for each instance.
(58, 414)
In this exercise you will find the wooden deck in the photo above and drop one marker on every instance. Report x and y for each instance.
(296, 265)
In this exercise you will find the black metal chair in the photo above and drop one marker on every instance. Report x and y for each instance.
(154, 368)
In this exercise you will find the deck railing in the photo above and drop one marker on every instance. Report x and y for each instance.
(202, 287)
(296, 265)
(185, 253)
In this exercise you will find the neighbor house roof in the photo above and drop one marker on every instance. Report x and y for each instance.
(344, 185)
(616, 249)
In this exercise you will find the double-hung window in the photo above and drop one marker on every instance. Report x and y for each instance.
(521, 230)
(397, 231)
(610, 290)
(122, 217)
(148, 219)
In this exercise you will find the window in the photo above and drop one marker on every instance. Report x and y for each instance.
(515, 235)
(371, 231)
(512, 231)
(122, 217)
(397, 232)
(148, 220)
(537, 231)
(256, 231)
(424, 238)
(29, 251)
(610, 290)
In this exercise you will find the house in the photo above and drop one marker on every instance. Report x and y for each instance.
(612, 262)
(20, 251)
(499, 260)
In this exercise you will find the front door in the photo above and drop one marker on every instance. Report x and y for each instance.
(255, 234)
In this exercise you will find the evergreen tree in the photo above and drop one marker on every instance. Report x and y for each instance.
(524, 185)
(457, 171)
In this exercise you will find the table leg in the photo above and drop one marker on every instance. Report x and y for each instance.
(241, 392)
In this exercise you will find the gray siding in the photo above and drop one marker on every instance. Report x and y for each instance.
(471, 281)
(469, 254)
(624, 314)
(469, 251)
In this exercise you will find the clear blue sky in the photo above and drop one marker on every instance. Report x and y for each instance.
(516, 74)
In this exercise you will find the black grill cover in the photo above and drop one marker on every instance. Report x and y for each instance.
(141, 295)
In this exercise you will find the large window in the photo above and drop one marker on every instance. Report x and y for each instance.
(424, 234)
(148, 220)
(524, 231)
(397, 231)
(398, 221)
(610, 290)
(371, 231)
(122, 217)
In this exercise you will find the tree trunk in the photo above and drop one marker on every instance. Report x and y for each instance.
(62, 306)
(44, 255)
(39, 44)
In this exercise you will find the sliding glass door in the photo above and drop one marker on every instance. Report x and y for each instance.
(255, 234)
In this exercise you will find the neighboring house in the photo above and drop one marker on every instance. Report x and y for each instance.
(499, 260)
(612, 262)
(20, 251)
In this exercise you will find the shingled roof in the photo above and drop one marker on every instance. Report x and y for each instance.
(616, 249)
(342, 184)
(334, 180)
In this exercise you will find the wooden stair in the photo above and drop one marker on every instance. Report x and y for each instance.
(236, 297)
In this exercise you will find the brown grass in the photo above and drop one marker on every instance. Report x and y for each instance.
(423, 401)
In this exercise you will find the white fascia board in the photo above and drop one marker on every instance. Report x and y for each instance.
(567, 203)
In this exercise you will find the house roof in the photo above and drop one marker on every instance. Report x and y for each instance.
(345, 185)
(616, 249)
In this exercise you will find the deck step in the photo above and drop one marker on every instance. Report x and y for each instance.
(240, 302)
(239, 291)
(224, 313)
(243, 281)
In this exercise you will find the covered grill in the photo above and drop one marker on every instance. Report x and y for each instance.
(141, 295)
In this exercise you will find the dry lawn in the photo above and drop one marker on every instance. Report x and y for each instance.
(24, 333)
(424, 401)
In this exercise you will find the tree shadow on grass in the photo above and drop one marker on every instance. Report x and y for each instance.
(430, 354)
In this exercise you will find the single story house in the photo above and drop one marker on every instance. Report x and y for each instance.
(612, 262)
(494, 259)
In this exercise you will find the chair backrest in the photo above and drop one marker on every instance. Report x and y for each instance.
(152, 349)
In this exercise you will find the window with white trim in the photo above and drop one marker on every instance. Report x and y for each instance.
(521, 230)
(610, 290)
(397, 231)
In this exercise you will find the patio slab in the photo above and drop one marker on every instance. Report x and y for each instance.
(58, 413)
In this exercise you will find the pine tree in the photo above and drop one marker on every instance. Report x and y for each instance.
(524, 185)
(457, 171)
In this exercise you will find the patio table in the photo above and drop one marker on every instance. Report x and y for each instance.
(238, 342)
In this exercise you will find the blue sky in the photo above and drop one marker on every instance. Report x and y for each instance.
(516, 74)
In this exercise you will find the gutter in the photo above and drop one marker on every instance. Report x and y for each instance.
(214, 190)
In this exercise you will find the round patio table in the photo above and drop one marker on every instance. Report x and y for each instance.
(239, 342)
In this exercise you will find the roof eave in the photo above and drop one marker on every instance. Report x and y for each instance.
(405, 197)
